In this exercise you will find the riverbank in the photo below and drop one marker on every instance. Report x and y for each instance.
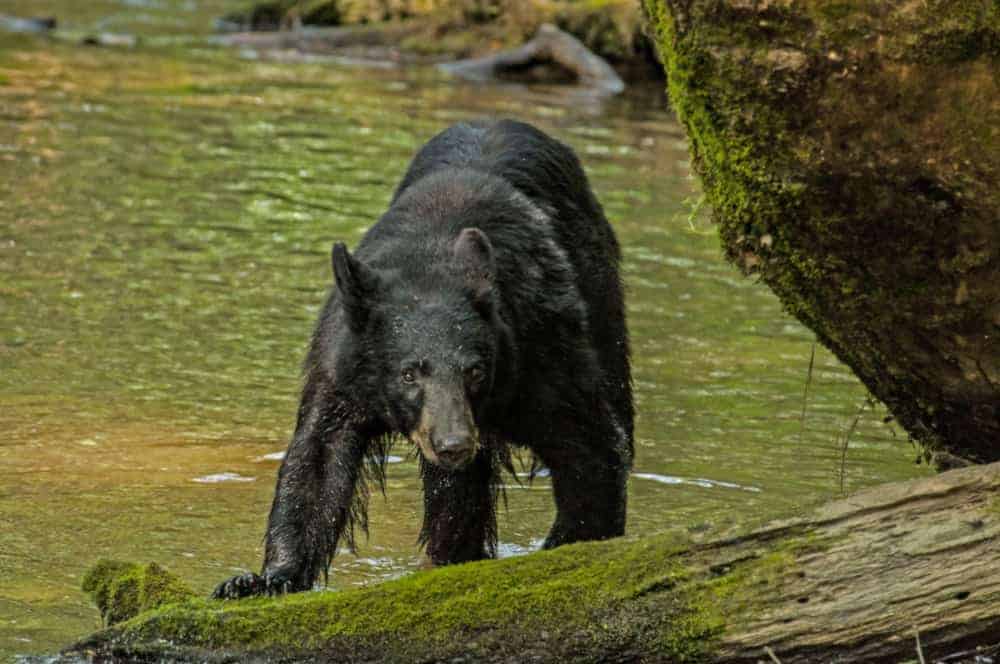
(441, 30)
(432, 32)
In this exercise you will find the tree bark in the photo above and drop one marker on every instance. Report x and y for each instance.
(855, 581)
(851, 154)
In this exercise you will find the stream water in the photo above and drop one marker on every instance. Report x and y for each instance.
(166, 215)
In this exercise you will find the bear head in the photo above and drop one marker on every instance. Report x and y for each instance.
(429, 333)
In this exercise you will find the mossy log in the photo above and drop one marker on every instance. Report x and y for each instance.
(850, 152)
(855, 582)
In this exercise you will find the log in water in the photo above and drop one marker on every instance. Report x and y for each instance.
(858, 580)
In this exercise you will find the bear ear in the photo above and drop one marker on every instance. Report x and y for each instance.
(356, 282)
(474, 258)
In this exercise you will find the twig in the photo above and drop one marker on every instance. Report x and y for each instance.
(847, 441)
(774, 658)
(805, 392)
(920, 651)
(694, 209)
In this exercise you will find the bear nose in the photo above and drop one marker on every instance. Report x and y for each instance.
(455, 450)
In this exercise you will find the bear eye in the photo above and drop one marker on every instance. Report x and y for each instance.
(409, 376)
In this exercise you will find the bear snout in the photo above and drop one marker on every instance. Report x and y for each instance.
(455, 450)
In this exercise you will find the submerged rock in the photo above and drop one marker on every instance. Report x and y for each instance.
(110, 39)
(30, 25)
(850, 152)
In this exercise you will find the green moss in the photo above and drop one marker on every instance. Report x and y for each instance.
(642, 595)
(746, 192)
(123, 590)
(557, 588)
(620, 596)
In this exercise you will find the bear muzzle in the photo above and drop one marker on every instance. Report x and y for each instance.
(455, 450)
(446, 432)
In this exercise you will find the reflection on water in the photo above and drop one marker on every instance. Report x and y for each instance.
(222, 477)
(164, 248)
(694, 481)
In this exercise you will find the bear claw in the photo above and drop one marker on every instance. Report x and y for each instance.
(250, 584)
(247, 584)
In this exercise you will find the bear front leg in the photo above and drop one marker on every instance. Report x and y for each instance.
(460, 511)
(589, 482)
(590, 502)
(311, 508)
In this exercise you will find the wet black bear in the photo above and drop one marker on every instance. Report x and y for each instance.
(484, 309)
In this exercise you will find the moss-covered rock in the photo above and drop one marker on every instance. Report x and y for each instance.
(850, 151)
(124, 590)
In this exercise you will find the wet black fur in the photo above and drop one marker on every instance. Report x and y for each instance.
(543, 315)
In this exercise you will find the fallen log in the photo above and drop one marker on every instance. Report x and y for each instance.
(551, 55)
(855, 581)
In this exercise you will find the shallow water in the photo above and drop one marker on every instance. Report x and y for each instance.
(166, 216)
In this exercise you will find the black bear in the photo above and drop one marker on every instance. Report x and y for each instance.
(484, 309)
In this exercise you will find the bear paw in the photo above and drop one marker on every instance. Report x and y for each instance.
(247, 584)
(273, 582)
